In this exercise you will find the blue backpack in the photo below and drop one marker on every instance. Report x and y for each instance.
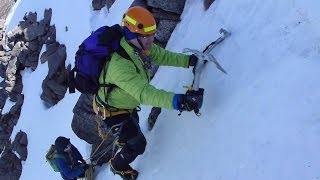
(91, 57)
(51, 156)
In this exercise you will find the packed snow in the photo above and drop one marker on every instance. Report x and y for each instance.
(260, 121)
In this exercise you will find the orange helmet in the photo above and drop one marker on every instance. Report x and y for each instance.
(139, 20)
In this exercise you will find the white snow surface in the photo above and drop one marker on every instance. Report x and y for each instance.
(260, 121)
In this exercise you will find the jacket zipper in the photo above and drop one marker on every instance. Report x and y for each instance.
(146, 71)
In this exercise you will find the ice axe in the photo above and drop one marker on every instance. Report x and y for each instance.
(203, 58)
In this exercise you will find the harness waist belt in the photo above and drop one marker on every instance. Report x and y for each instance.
(103, 111)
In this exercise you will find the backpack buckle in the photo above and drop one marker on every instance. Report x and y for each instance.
(103, 115)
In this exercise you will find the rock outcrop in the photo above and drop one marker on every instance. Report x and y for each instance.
(22, 50)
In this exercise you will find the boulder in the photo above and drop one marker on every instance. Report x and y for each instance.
(109, 3)
(98, 4)
(3, 98)
(168, 5)
(30, 18)
(31, 59)
(85, 127)
(164, 30)
(160, 14)
(10, 165)
(20, 144)
(31, 32)
(54, 88)
(142, 3)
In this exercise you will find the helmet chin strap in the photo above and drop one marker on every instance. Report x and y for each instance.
(140, 43)
(144, 51)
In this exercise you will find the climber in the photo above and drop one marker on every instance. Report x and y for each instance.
(119, 106)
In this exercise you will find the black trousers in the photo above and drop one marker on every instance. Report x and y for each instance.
(131, 136)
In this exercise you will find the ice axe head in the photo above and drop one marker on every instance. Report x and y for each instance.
(200, 55)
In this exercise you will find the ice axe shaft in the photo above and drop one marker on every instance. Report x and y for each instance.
(203, 58)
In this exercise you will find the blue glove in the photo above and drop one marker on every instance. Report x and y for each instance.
(177, 100)
(190, 101)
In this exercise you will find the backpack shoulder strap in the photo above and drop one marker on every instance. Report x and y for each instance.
(123, 53)
(109, 34)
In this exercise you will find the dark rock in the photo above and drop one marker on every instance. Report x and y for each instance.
(57, 60)
(207, 4)
(22, 57)
(109, 3)
(83, 122)
(30, 17)
(44, 24)
(32, 60)
(11, 118)
(142, 3)
(15, 94)
(54, 89)
(85, 127)
(53, 92)
(10, 165)
(168, 5)
(164, 30)
(20, 144)
(31, 32)
(160, 14)
(23, 24)
(47, 16)
(98, 4)
(3, 83)
(33, 45)
(50, 37)
(42, 28)
(3, 98)
(3, 69)
(7, 124)
(50, 50)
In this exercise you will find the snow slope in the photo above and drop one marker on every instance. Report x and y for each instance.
(260, 121)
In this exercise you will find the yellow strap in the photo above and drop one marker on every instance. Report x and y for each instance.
(150, 28)
(131, 20)
(104, 112)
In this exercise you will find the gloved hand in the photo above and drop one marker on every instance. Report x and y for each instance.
(190, 101)
(193, 59)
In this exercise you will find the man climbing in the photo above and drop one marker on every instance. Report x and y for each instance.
(117, 106)
(71, 164)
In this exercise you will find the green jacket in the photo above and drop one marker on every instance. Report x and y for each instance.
(132, 80)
